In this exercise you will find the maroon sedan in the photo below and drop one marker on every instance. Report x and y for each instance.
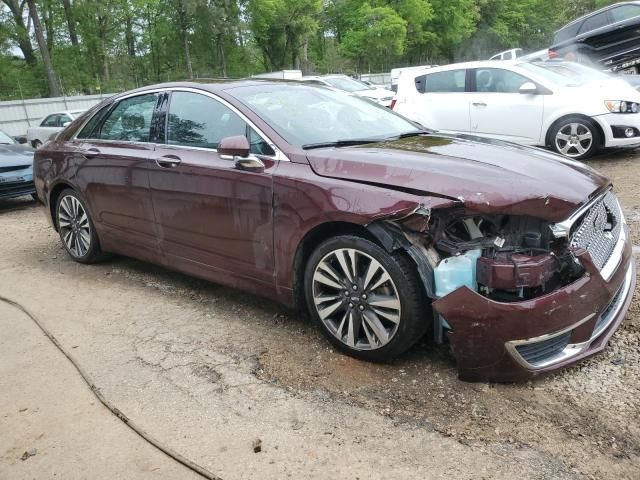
(520, 259)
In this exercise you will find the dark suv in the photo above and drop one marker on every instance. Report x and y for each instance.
(609, 37)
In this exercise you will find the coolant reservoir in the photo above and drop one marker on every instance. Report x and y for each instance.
(455, 272)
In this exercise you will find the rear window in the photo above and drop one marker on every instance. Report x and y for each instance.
(625, 12)
(595, 22)
(566, 33)
(441, 82)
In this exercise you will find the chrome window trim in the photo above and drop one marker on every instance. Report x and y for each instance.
(572, 349)
(279, 153)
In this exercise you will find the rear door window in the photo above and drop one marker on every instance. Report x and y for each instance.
(592, 23)
(624, 12)
(130, 120)
(451, 81)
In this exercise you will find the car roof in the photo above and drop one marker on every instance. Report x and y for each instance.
(596, 12)
(214, 86)
(467, 65)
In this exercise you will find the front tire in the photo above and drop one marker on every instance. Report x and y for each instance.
(76, 228)
(369, 303)
(575, 137)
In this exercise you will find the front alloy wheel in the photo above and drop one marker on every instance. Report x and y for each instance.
(370, 303)
(356, 299)
(576, 138)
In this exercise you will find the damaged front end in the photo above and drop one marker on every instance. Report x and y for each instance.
(502, 284)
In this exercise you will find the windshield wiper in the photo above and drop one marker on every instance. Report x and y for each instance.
(411, 134)
(342, 143)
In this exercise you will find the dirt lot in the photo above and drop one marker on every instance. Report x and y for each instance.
(208, 370)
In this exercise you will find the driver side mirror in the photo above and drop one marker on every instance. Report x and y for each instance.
(65, 124)
(238, 149)
(528, 88)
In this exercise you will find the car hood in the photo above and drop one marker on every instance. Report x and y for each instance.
(15, 155)
(376, 94)
(487, 176)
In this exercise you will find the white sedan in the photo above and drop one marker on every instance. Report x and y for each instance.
(574, 110)
(50, 124)
(381, 96)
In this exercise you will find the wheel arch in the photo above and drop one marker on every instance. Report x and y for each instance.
(548, 140)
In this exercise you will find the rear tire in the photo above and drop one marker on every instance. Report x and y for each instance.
(76, 228)
(369, 303)
(575, 137)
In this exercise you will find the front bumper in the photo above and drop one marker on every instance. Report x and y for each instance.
(494, 341)
(17, 184)
(612, 122)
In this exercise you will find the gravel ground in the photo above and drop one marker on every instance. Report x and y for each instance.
(209, 368)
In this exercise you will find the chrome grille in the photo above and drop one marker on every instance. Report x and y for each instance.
(599, 229)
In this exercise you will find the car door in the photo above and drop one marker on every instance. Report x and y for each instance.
(214, 219)
(442, 102)
(499, 110)
(115, 147)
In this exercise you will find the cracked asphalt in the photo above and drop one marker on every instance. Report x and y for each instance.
(208, 370)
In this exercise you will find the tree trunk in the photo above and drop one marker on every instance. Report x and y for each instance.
(185, 37)
(54, 90)
(22, 32)
(71, 23)
(128, 32)
(221, 55)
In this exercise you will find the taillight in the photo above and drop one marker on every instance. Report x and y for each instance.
(553, 54)
(393, 104)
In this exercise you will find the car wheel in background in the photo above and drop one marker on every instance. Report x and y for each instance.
(575, 137)
(370, 304)
(76, 228)
(36, 144)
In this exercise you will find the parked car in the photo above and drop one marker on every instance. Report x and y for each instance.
(384, 231)
(16, 168)
(508, 54)
(609, 36)
(524, 102)
(356, 87)
(50, 124)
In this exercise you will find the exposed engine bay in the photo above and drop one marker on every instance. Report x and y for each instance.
(503, 257)
(517, 257)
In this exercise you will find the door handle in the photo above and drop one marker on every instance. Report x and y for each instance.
(479, 104)
(91, 152)
(168, 161)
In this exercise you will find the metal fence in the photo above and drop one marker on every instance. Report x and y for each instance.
(18, 115)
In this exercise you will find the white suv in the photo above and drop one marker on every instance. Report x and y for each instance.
(568, 107)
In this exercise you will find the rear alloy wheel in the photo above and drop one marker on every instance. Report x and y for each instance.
(368, 302)
(76, 228)
(576, 138)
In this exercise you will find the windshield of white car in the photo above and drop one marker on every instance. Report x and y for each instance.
(305, 115)
(573, 70)
(564, 79)
(6, 139)
(347, 84)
